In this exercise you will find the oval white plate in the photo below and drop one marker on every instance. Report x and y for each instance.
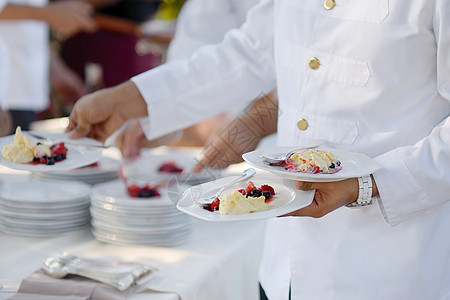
(44, 192)
(77, 156)
(287, 199)
(353, 165)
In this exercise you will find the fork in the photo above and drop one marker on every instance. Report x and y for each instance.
(74, 142)
(245, 175)
(280, 159)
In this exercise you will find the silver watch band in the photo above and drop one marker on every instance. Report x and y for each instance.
(365, 192)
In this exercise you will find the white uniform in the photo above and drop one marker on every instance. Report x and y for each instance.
(382, 87)
(24, 62)
(205, 22)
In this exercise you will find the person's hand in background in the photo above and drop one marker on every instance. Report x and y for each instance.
(65, 18)
(68, 17)
(241, 135)
(66, 84)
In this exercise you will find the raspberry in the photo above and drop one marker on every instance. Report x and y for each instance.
(170, 167)
(215, 204)
(267, 188)
(250, 186)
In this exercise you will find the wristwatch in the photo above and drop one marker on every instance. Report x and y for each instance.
(365, 192)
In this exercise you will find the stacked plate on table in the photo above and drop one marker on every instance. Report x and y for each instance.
(148, 167)
(106, 169)
(118, 218)
(41, 208)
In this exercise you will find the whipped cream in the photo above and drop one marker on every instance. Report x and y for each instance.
(314, 161)
(236, 203)
(21, 149)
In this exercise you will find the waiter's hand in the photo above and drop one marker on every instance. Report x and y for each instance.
(132, 139)
(328, 197)
(100, 114)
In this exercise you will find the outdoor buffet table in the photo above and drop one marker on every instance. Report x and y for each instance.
(220, 260)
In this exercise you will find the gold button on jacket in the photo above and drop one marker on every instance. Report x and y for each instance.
(302, 124)
(314, 63)
(329, 4)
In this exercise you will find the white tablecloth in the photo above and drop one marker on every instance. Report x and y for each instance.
(219, 262)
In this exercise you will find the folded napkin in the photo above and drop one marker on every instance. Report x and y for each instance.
(39, 286)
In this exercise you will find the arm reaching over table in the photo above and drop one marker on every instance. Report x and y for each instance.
(99, 114)
(241, 135)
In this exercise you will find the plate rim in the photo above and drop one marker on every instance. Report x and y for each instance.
(90, 155)
(253, 159)
(301, 199)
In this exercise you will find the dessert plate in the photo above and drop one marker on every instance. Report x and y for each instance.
(146, 167)
(77, 156)
(353, 165)
(286, 200)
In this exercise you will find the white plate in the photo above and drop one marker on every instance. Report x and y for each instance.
(77, 156)
(115, 192)
(105, 167)
(162, 241)
(353, 165)
(44, 192)
(146, 167)
(287, 199)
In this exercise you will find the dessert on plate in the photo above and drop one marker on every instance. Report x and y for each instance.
(170, 167)
(314, 161)
(24, 150)
(142, 191)
(249, 200)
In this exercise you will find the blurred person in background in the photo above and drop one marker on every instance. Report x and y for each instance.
(25, 52)
(116, 51)
(5, 123)
(199, 23)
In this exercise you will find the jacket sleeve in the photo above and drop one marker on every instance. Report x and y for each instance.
(200, 22)
(215, 79)
(421, 172)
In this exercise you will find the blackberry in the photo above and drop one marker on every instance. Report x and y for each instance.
(59, 157)
(332, 166)
(146, 194)
(267, 194)
(254, 193)
(50, 160)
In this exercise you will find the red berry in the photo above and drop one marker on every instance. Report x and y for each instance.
(315, 170)
(268, 188)
(170, 167)
(133, 190)
(58, 148)
(250, 186)
(215, 203)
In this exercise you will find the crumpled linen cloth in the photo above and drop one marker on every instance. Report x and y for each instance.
(39, 286)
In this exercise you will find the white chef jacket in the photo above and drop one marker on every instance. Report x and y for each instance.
(382, 88)
(205, 22)
(24, 62)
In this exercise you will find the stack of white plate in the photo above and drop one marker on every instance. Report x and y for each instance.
(120, 219)
(41, 208)
(146, 167)
(106, 169)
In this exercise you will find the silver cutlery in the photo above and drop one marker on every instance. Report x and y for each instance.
(118, 275)
(67, 141)
(277, 160)
(245, 175)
